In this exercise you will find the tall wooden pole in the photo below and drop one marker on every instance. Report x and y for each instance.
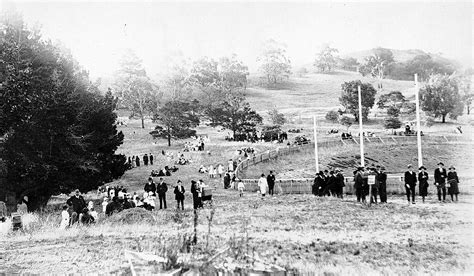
(315, 144)
(418, 128)
(361, 133)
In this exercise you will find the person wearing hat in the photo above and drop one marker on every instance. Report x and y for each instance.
(78, 204)
(359, 184)
(440, 176)
(339, 183)
(423, 180)
(381, 179)
(150, 186)
(453, 182)
(372, 177)
(179, 194)
(161, 189)
(410, 184)
(271, 183)
(195, 192)
(320, 183)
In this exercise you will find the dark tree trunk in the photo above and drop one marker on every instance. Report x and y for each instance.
(169, 138)
(468, 110)
(143, 121)
(444, 118)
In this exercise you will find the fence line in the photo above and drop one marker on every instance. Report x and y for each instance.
(394, 182)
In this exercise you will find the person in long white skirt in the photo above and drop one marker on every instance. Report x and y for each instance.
(263, 185)
(64, 218)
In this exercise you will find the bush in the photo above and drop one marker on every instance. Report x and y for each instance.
(392, 123)
(332, 116)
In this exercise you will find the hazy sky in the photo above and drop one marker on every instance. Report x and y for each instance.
(98, 32)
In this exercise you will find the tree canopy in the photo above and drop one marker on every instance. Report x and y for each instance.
(325, 60)
(274, 62)
(440, 97)
(236, 115)
(350, 99)
(175, 120)
(60, 132)
(134, 87)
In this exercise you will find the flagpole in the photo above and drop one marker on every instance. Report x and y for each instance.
(418, 128)
(315, 144)
(361, 134)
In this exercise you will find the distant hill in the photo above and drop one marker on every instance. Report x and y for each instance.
(400, 55)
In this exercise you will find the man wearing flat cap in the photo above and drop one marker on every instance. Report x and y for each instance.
(410, 184)
(440, 176)
(423, 180)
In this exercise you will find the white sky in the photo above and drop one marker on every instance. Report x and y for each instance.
(98, 32)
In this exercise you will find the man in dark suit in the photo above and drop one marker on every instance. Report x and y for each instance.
(78, 204)
(359, 184)
(161, 189)
(150, 186)
(410, 183)
(440, 176)
(382, 180)
(271, 183)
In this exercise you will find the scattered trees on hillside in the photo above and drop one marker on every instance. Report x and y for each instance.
(350, 100)
(276, 118)
(325, 60)
(134, 88)
(60, 132)
(175, 120)
(274, 62)
(377, 65)
(440, 97)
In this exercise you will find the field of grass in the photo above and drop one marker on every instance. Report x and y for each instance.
(299, 233)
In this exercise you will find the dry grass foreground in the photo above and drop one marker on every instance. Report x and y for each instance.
(303, 233)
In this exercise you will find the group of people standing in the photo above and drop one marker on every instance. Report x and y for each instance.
(372, 177)
(134, 161)
(442, 180)
(329, 183)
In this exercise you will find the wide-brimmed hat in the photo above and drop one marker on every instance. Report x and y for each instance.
(441, 163)
(409, 166)
(422, 167)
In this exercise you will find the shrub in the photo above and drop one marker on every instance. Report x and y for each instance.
(332, 116)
